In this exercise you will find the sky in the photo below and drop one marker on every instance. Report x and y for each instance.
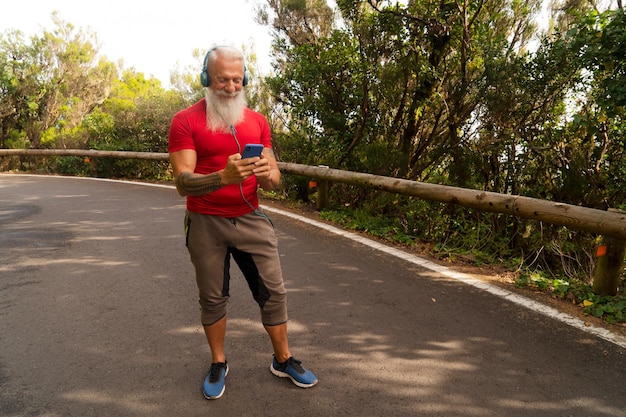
(149, 36)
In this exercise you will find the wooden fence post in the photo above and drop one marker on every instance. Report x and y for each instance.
(609, 265)
(322, 192)
(92, 164)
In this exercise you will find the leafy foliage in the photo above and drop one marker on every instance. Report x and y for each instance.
(56, 94)
(51, 84)
(608, 308)
(448, 92)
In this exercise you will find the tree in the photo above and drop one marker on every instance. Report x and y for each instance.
(20, 90)
(186, 81)
(52, 83)
(449, 91)
(135, 117)
(389, 88)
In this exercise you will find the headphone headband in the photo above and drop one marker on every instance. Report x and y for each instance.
(205, 79)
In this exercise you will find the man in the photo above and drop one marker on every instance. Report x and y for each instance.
(223, 218)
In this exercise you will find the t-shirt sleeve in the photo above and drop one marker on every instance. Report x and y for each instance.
(180, 136)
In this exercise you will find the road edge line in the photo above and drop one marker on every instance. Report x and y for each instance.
(467, 279)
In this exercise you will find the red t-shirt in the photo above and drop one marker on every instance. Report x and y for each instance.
(189, 131)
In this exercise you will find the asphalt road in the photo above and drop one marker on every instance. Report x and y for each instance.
(99, 317)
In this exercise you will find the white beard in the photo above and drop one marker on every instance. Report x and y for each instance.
(222, 112)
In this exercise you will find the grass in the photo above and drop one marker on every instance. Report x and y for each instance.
(611, 309)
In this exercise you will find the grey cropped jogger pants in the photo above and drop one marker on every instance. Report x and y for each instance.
(251, 241)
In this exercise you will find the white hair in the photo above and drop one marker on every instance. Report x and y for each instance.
(224, 51)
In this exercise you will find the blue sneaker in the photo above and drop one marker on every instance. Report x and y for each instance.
(292, 368)
(215, 381)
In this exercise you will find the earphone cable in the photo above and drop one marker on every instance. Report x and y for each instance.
(254, 210)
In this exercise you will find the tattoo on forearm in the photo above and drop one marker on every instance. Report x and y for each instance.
(194, 184)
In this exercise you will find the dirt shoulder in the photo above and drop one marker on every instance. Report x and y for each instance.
(494, 275)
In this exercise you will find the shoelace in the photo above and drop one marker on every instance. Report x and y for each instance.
(216, 372)
(296, 364)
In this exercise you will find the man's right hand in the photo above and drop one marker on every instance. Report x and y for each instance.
(237, 170)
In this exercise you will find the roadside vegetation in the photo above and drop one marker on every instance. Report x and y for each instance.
(524, 98)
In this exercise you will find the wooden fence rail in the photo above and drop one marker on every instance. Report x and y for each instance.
(609, 224)
(157, 156)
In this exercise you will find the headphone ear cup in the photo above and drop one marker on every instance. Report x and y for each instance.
(245, 76)
(204, 79)
(204, 76)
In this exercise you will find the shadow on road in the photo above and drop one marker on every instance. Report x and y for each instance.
(99, 317)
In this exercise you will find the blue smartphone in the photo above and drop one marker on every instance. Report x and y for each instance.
(251, 150)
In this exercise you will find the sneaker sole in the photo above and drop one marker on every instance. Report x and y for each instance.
(282, 374)
(208, 397)
(215, 397)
